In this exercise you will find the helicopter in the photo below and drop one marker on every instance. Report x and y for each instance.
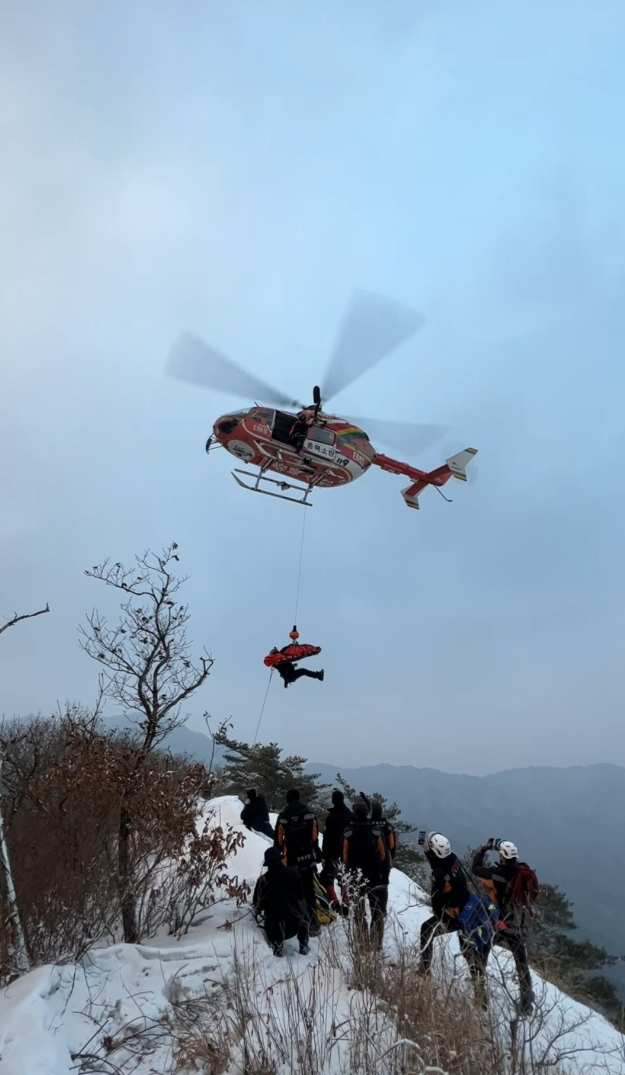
(310, 448)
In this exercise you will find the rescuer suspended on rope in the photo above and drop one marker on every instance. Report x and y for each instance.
(283, 660)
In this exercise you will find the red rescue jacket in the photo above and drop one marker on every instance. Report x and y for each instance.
(294, 652)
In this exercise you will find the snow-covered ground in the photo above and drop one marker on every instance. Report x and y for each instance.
(55, 1018)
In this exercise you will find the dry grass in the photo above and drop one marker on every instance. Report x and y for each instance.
(359, 1011)
(356, 1011)
(350, 1013)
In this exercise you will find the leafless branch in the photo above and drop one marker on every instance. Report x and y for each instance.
(147, 656)
(23, 616)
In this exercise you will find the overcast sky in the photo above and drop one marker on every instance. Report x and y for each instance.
(235, 167)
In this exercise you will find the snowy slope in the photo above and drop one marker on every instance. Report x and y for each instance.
(127, 991)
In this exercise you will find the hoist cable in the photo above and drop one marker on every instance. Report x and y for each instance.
(299, 579)
(299, 573)
(263, 708)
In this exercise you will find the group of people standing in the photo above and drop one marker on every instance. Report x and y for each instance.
(362, 843)
(286, 894)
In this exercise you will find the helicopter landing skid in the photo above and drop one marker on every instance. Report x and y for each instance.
(261, 477)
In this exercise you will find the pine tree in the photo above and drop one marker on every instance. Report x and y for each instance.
(261, 766)
(568, 960)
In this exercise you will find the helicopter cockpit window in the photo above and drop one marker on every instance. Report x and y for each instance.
(263, 414)
(227, 425)
(321, 435)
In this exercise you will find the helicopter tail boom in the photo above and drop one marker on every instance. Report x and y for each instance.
(454, 467)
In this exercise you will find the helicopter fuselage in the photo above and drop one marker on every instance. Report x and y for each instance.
(329, 453)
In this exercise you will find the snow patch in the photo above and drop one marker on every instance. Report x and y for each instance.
(56, 1012)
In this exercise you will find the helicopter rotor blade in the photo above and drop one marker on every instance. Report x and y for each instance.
(192, 360)
(409, 438)
(372, 327)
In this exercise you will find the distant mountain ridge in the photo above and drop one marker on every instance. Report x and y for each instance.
(183, 740)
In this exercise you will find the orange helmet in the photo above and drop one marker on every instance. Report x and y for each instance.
(294, 633)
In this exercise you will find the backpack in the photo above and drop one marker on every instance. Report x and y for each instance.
(323, 910)
(478, 921)
(363, 851)
(300, 845)
(524, 888)
(390, 837)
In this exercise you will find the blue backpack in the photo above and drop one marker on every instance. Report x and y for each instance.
(478, 922)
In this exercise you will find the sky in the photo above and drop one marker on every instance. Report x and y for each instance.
(234, 168)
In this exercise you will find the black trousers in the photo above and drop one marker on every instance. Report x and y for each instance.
(307, 874)
(297, 673)
(476, 960)
(377, 898)
(279, 931)
(511, 939)
(264, 827)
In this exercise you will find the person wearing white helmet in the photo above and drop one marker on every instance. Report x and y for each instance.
(450, 892)
(513, 886)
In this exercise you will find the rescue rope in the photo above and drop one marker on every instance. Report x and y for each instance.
(263, 708)
(299, 573)
(299, 579)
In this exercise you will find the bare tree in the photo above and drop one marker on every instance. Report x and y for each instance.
(148, 670)
(7, 887)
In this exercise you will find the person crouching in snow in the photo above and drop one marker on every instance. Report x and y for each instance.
(279, 899)
(255, 814)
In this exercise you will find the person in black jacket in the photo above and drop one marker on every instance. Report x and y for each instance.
(255, 814)
(338, 818)
(297, 836)
(279, 900)
(450, 893)
(300, 427)
(499, 882)
(388, 833)
(364, 850)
